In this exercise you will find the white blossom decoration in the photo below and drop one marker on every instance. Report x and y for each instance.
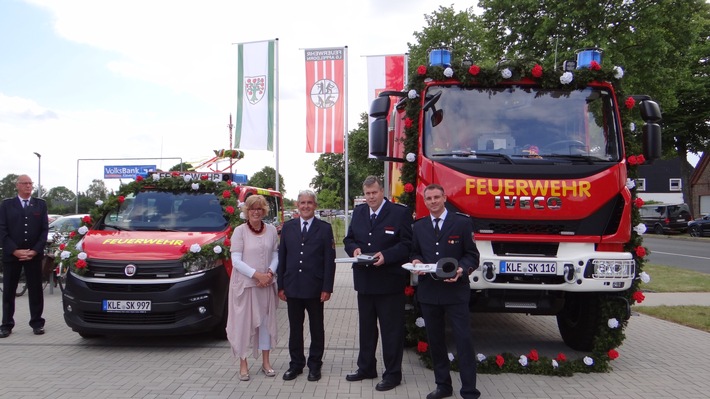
(448, 72)
(217, 249)
(81, 255)
(618, 72)
(566, 78)
(156, 176)
(411, 157)
(412, 94)
(65, 255)
(242, 216)
(506, 73)
(555, 364)
(99, 202)
(195, 186)
(588, 361)
(630, 184)
(83, 230)
(451, 357)
(195, 248)
(645, 277)
(187, 178)
(420, 322)
(632, 127)
(523, 360)
(613, 323)
(480, 357)
(640, 228)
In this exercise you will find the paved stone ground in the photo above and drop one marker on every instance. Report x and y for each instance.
(658, 360)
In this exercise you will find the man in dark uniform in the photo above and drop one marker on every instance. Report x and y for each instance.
(23, 235)
(382, 229)
(305, 278)
(445, 234)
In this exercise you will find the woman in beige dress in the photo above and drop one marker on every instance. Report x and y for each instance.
(253, 299)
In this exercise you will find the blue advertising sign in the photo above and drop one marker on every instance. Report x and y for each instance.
(126, 171)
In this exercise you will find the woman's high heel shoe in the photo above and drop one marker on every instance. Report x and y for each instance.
(268, 372)
(244, 377)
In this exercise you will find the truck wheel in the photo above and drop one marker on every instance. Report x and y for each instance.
(578, 321)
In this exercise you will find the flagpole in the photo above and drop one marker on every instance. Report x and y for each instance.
(276, 122)
(345, 130)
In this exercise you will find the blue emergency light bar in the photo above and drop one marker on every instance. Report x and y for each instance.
(440, 56)
(587, 55)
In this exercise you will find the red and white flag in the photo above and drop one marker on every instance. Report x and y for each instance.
(325, 100)
(384, 72)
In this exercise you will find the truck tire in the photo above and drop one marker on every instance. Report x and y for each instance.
(578, 320)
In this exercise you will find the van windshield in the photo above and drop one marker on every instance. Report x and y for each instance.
(167, 211)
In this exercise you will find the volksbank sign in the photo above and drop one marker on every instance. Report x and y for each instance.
(126, 171)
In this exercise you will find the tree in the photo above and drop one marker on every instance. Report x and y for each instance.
(181, 167)
(97, 190)
(7, 186)
(266, 178)
(60, 200)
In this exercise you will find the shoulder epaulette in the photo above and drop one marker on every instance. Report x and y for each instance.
(463, 214)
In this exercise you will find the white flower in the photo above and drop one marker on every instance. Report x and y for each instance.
(217, 249)
(566, 78)
(65, 255)
(451, 357)
(640, 228)
(411, 157)
(81, 255)
(632, 126)
(195, 186)
(555, 364)
(83, 230)
(588, 361)
(234, 184)
(645, 277)
(480, 357)
(613, 323)
(408, 306)
(630, 184)
(523, 360)
(420, 322)
(618, 72)
(195, 248)
(98, 203)
(156, 176)
(187, 178)
(78, 246)
(506, 73)
(448, 72)
(242, 216)
(412, 94)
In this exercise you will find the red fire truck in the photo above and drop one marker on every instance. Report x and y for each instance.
(538, 161)
(135, 279)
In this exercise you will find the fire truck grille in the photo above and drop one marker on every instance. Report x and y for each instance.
(133, 318)
(500, 279)
(143, 269)
(129, 287)
(522, 227)
(548, 249)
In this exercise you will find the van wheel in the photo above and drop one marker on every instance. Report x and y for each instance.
(658, 229)
(578, 321)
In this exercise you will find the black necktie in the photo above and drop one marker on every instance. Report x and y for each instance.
(24, 202)
(436, 226)
(304, 230)
(372, 219)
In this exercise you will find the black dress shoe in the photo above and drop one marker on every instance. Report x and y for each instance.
(5, 332)
(38, 330)
(386, 385)
(439, 393)
(359, 376)
(290, 374)
(314, 375)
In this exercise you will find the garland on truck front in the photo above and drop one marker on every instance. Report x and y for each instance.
(614, 308)
(69, 244)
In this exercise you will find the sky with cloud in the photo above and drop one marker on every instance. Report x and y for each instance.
(85, 82)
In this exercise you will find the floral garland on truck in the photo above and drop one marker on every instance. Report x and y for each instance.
(610, 332)
(69, 245)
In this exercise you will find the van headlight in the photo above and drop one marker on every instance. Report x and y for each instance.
(613, 268)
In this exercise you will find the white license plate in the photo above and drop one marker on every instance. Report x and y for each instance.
(515, 267)
(111, 305)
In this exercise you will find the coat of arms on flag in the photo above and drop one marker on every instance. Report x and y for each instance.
(324, 93)
(254, 88)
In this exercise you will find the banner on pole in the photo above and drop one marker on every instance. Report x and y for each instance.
(325, 100)
(254, 127)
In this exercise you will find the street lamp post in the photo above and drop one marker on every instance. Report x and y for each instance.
(39, 174)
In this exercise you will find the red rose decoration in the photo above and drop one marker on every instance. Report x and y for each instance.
(638, 202)
(594, 66)
(421, 69)
(229, 209)
(183, 249)
(226, 194)
(409, 290)
(408, 122)
(237, 189)
(139, 178)
(86, 219)
(500, 361)
(72, 234)
(536, 71)
(422, 346)
(175, 173)
(640, 251)
(227, 242)
(630, 102)
(121, 199)
(638, 296)
(561, 357)
(533, 355)
(203, 177)
(474, 70)
(408, 187)
(62, 246)
(613, 354)
(80, 264)
(632, 160)
(641, 159)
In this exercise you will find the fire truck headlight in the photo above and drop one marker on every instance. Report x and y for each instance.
(200, 265)
(613, 268)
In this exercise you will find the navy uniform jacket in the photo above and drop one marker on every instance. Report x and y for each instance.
(306, 266)
(391, 235)
(455, 241)
(23, 228)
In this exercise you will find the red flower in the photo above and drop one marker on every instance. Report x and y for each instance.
(226, 194)
(80, 264)
(175, 173)
(638, 296)
(474, 70)
(640, 251)
(533, 355)
(62, 246)
(561, 357)
(86, 219)
(613, 354)
(536, 71)
(421, 70)
(183, 249)
(500, 361)
(237, 189)
(121, 199)
(139, 178)
(72, 234)
(409, 290)
(630, 102)
(227, 242)
(422, 346)
(408, 122)
(408, 187)
(638, 202)
(594, 66)
(632, 160)
(203, 177)
(229, 209)
(641, 159)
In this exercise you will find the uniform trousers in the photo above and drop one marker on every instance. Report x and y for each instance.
(11, 278)
(388, 309)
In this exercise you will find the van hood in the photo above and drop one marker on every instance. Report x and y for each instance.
(144, 245)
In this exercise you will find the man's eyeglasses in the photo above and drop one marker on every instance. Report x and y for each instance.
(25, 182)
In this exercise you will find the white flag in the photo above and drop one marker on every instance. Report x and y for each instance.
(254, 127)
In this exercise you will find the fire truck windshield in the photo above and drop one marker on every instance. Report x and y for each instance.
(521, 122)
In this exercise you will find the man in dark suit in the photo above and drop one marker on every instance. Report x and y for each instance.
(382, 229)
(305, 278)
(23, 235)
(445, 234)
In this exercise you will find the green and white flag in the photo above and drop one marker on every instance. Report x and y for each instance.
(254, 128)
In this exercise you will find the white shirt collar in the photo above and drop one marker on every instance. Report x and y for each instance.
(442, 217)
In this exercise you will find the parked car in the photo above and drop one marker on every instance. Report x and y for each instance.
(64, 224)
(700, 227)
(666, 218)
(52, 217)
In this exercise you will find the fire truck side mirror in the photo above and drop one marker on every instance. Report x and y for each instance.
(650, 111)
(380, 107)
(651, 141)
(378, 128)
